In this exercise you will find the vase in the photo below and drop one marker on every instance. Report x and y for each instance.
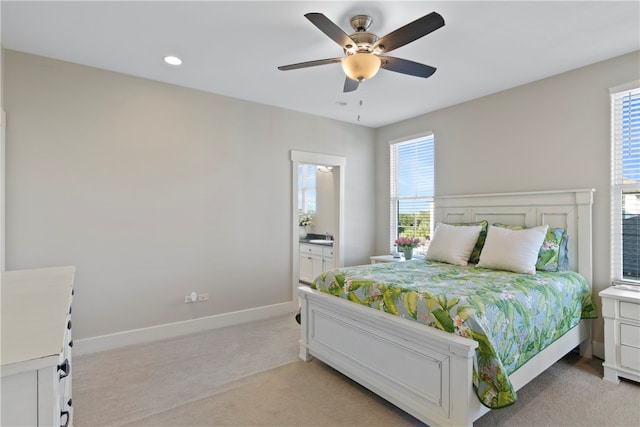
(303, 232)
(408, 253)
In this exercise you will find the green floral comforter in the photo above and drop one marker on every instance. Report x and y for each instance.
(511, 316)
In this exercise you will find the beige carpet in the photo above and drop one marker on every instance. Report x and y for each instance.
(298, 394)
(312, 394)
(249, 376)
(571, 393)
(117, 386)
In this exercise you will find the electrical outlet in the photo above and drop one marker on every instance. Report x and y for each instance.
(203, 297)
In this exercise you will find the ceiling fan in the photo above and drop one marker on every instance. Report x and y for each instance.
(363, 50)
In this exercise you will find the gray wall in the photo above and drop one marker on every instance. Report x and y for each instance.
(553, 134)
(150, 189)
(153, 191)
(2, 155)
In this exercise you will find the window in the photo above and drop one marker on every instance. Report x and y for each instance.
(307, 189)
(625, 191)
(412, 189)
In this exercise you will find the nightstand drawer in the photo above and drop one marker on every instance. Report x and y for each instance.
(630, 335)
(630, 357)
(629, 310)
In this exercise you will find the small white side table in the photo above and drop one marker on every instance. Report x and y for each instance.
(621, 312)
(380, 259)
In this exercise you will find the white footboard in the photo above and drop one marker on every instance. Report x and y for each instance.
(424, 371)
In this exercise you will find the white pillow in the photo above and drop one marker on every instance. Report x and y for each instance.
(453, 243)
(512, 250)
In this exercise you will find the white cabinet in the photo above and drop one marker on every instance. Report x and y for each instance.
(36, 347)
(621, 312)
(310, 262)
(327, 259)
(314, 259)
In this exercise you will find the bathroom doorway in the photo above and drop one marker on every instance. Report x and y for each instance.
(332, 212)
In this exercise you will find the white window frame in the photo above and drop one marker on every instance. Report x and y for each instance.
(619, 185)
(394, 196)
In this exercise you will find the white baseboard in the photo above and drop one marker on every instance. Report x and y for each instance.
(171, 330)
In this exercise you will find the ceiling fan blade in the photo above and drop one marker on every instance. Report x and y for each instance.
(309, 64)
(350, 85)
(334, 32)
(405, 66)
(410, 32)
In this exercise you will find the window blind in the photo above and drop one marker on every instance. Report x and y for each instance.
(412, 187)
(625, 192)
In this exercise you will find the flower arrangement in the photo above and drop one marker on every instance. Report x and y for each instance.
(304, 220)
(408, 242)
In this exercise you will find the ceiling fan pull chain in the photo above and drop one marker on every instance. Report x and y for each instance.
(359, 108)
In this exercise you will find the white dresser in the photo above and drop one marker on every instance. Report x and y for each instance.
(36, 347)
(621, 312)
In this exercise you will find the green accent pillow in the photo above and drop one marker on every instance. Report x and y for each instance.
(563, 260)
(553, 252)
(475, 253)
(549, 255)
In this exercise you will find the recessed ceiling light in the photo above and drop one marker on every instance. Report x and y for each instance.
(173, 60)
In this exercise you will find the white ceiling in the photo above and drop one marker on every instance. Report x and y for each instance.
(232, 48)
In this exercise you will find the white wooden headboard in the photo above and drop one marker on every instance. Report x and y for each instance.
(569, 209)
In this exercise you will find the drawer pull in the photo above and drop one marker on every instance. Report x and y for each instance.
(65, 367)
(71, 343)
(70, 402)
(67, 418)
(69, 324)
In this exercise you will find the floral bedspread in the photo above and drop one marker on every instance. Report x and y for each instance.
(511, 316)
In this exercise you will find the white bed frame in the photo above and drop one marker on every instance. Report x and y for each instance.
(425, 371)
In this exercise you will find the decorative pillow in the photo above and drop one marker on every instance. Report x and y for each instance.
(475, 253)
(553, 254)
(549, 254)
(453, 243)
(563, 259)
(512, 250)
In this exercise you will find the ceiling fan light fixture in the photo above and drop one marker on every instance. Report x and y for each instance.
(361, 61)
(361, 66)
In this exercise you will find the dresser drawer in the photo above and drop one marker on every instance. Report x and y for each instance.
(630, 335)
(629, 310)
(630, 357)
(20, 399)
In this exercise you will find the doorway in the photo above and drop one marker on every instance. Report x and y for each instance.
(338, 165)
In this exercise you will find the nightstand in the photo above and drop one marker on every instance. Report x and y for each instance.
(380, 259)
(621, 312)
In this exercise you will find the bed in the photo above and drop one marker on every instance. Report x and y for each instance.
(428, 371)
